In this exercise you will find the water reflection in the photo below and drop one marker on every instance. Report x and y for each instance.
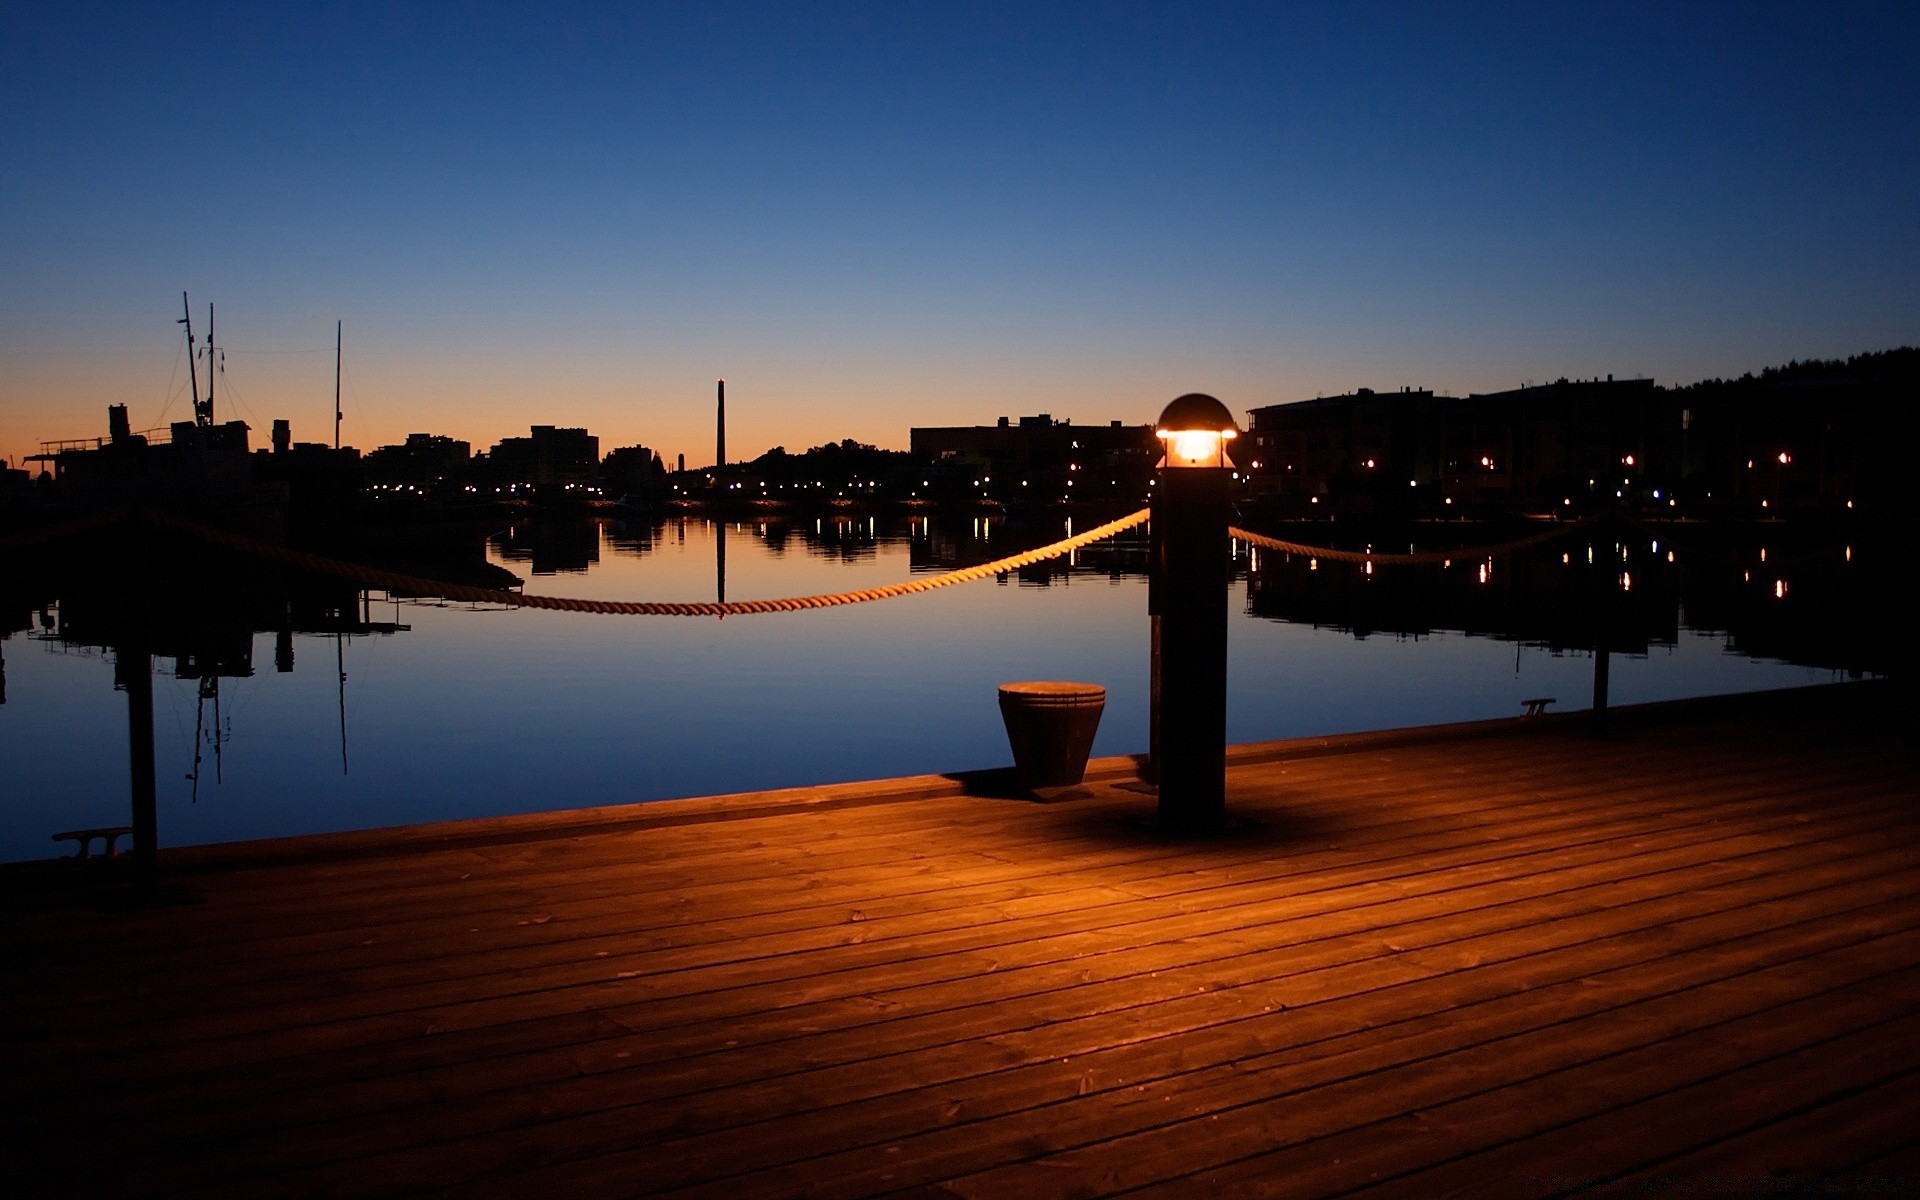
(1818, 605)
(552, 545)
(1831, 605)
(202, 608)
(454, 712)
(1826, 605)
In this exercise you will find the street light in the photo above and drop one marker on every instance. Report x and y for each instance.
(1187, 600)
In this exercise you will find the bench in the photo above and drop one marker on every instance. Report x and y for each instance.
(1536, 706)
(108, 835)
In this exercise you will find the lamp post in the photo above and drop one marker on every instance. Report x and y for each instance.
(1188, 604)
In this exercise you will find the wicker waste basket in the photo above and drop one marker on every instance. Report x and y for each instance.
(1051, 726)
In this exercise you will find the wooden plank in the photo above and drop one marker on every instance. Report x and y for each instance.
(959, 957)
(941, 1129)
(427, 859)
(609, 1061)
(1340, 1135)
(1809, 1056)
(309, 900)
(1080, 1035)
(1033, 989)
(459, 918)
(1818, 1142)
(467, 914)
(555, 944)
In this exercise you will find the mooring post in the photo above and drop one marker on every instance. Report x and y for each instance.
(1603, 639)
(134, 665)
(1601, 662)
(1191, 510)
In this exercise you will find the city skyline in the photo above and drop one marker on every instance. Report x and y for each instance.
(867, 220)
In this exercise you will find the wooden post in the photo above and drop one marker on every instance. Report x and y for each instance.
(135, 668)
(1601, 663)
(1602, 641)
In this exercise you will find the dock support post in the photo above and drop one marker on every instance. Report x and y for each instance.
(1603, 639)
(134, 665)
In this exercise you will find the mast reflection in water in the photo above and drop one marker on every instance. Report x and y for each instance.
(481, 711)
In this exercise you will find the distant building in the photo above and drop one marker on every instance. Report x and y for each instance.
(422, 458)
(1366, 447)
(1034, 442)
(1534, 447)
(15, 487)
(631, 471)
(1584, 440)
(548, 457)
(1039, 452)
(321, 481)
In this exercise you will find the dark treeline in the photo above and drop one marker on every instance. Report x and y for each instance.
(1826, 440)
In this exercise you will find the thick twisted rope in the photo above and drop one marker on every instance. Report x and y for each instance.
(399, 582)
(65, 529)
(1465, 553)
(395, 581)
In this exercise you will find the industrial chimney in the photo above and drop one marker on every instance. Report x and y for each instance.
(720, 434)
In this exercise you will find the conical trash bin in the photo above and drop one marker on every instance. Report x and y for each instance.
(1051, 726)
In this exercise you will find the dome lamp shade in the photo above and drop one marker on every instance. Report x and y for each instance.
(1196, 429)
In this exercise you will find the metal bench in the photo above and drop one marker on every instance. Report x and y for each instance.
(1536, 706)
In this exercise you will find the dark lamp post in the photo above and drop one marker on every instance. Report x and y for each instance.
(1187, 600)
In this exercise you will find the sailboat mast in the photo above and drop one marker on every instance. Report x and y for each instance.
(193, 376)
(337, 325)
(205, 417)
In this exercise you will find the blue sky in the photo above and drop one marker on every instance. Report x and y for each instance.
(869, 217)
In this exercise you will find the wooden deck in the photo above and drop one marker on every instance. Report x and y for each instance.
(1509, 959)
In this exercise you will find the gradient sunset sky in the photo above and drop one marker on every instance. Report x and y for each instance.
(867, 217)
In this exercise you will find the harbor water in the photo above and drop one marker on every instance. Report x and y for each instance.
(425, 711)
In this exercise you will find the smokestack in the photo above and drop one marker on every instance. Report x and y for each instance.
(720, 435)
(682, 466)
(117, 427)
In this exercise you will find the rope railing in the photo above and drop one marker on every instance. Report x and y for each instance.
(1463, 553)
(30, 538)
(396, 581)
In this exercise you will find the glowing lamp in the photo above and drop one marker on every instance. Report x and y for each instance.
(1196, 429)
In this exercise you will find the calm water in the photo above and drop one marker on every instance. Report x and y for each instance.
(469, 712)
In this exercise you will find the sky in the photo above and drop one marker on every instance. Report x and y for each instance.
(870, 217)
